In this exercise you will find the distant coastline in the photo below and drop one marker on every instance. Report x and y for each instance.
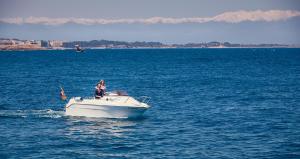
(23, 45)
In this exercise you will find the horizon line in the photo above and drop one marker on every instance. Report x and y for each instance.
(165, 43)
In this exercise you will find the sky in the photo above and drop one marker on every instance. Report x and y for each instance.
(167, 21)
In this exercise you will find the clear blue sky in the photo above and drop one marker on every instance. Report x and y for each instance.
(282, 30)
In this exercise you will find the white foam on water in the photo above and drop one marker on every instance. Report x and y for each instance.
(44, 113)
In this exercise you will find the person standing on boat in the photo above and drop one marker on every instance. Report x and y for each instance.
(102, 88)
(98, 91)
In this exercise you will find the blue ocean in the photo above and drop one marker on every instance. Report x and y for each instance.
(205, 103)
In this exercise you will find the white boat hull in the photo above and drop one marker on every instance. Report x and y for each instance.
(108, 107)
(105, 111)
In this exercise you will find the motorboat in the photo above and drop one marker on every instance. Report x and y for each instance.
(112, 105)
(78, 48)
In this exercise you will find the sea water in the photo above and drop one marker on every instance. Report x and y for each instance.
(206, 103)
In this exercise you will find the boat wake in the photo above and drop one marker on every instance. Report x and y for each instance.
(46, 113)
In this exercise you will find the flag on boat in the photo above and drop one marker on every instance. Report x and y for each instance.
(62, 94)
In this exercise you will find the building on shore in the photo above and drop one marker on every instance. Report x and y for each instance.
(36, 43)
(55, 43)
(6, 42)
(16, 44)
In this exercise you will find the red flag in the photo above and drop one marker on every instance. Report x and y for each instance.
(62, 94)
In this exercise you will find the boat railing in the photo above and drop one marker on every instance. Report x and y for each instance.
(144, 99)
